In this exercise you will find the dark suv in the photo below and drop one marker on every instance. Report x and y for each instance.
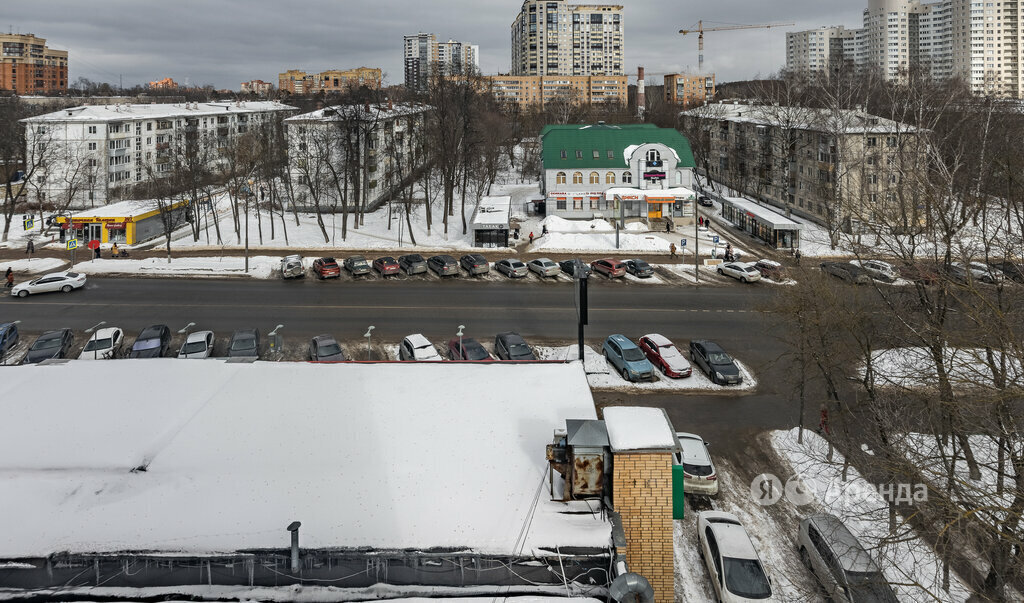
(244, 344)
(715, 363)
(510, 346)
(152, 342)
(474, 263)
(443, 265)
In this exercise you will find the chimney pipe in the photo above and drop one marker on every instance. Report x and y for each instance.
(293, 527)
(641, 98)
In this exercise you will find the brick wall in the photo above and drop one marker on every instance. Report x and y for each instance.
(642, 495)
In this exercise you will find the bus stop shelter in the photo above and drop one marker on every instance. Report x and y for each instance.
(762, 223)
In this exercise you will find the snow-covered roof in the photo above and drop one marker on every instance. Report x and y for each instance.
(628, 153)
(635, 428)
(121, 209)
(359, 111)
(492, 210)
(660, 193)
(847, 121)
(158, 111)
(406, 455)
(777, 220)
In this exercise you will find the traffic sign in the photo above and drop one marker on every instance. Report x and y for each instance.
(72, 244)
(682, 242)
(93, 244)
(714, 239)
(28, 223)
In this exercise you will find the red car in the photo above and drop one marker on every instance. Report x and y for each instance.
(609, 267)
(663, 354)
(386, 265)
(326, 268)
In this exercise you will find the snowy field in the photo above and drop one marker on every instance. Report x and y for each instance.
(259, 266)
(912, 367)
(32, 265)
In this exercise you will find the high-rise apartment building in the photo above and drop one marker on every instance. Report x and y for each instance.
(552, 37)
(819, 50)
(976, 40)
(423, 53)
(27, 66)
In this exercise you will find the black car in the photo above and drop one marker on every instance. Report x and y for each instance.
(474, 263)
(152, 342)
(51, 344)
(357, 265)
(443, 265)
(412, 263)
(324, 348)
(704, 200)
(847, 272)
(244, 344)
(1012, 270)
(510, 346)
(715, 363)
(640, 268)
(466, 348)
(569, 267)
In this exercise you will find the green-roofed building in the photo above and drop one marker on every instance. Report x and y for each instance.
(586, 166)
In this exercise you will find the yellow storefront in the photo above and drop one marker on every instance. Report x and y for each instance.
(124, 223)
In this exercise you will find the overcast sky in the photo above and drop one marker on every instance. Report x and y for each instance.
(225, 42)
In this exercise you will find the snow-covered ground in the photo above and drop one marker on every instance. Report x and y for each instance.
(259, 266)
(912, 367)
(907, 561)
(32, 265)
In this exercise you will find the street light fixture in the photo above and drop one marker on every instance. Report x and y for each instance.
(272, 339)
(367, 335)
(185, 329)
(459, 335)
(3, 353)
(95, 352)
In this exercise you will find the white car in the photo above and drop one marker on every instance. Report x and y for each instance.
(197, 345)
(103, 345)
(543, 267)
(741, 271)
(417, 347)
(58, 281)
(736, 571)
(877, 269)
(699, 475)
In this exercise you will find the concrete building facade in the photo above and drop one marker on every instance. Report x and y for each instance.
(552, 37)
(422, 54)
(542, 90)
(689, 89)
(296, 81)
(86, 154)
(28, 66)
(257, 87)
(819, 50)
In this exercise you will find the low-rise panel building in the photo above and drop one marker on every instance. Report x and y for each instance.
(533, 91)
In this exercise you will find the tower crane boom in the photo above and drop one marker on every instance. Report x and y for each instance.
(701, 29)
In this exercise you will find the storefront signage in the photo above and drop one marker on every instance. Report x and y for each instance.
(654, 176)
(114, 225)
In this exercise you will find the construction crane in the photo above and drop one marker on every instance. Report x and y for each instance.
(700, 37)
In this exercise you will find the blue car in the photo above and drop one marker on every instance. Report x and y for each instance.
(627, 358)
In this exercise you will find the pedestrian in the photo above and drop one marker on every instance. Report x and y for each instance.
(668, 226)
(796, 254)
(544, 230)
(714, 252)
(113, 250)
(672, 249)
(515, 234)
(823, 424)
(531, 237)
(10, 278)
(31, 247)
(96, 253)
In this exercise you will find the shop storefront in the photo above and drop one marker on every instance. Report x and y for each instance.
(124, 223)
(773, 228)
(490, 222)
(651, 204)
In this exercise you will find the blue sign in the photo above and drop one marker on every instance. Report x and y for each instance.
(714, 239)
(682, 242)
(29, 223)
(72, 244)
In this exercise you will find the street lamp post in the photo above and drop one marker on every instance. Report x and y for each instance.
(95, 352)
(462, 353)
(184, 330)
(272, 338)
(3, 353)
(367, 335)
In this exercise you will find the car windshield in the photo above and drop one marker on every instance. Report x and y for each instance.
(474, 351)
(194, 347)
(519, 350)
(870, 587)
(632, 354)
(97, 344)
(146, 344)
(669, 351)
(719, 358)
(329, 349)
(46, 344)
(745, 578)
(414, 258)
(640, 264)
(243, 343)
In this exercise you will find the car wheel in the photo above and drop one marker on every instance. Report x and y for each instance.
(743, 279)
(66, 288)
(625, 374)
(720, 271)
(23, 293)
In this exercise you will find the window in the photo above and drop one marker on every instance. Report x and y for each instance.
(872, 141)
(577, 202)
(609, 178)
(597, 154)
(577, 178)
(653, 156)
(563, 154)
(560, 203)
(611, 154)
(679, 177)
(627, 177)
(149, 126)
(579, 154)
(92, 129)
(560, 178)
(92, 146)
(595, 178)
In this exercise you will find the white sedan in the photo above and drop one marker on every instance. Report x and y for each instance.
(741, 271)
(197, 345)
(103, 345)
(58, 281)
(736, 571)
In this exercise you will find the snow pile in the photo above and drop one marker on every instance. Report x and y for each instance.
(32, 265)
(576, 242)
(638, 428)
(909, 564)
(559, 224)
(234, 452)
(259, 266)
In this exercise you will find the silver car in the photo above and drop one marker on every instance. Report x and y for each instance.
(543, 267)
(840, 563)
(877, 269)
(197, 345)
(699, 475)
(511, 268)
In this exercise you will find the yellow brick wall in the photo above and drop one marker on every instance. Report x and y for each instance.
(642, 495)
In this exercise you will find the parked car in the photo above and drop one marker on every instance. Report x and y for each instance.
(324, 348)
(244, 344)
(699, 475)
(639, 268)
(839, 562)
(291, 267)
(412, 263)
(543, 267)
(511, 346)
(715, 363)
(386, 266)
(1012, 270)
(569, 267)
(665, 355)
(466, 348)
(58, 281)
(103, 345)
(627, 358)
(977, 271)
(356, 265)
(326, 268)
(443, 265)
(153, 342)
(609, 267)
(846, 271)
(879, 270)
(920, 272)
(735, 568)
(704, 200)
(9, 338)
(743, 272)
(770, 269)
(512, 268)
(51, 344)
(198, 344)
(475, 264)
(418, 348)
